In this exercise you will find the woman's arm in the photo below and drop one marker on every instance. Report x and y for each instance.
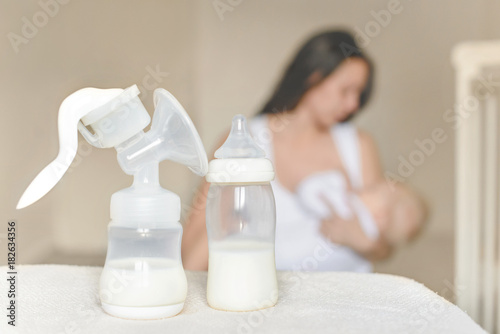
(194, 247)
(348, 232)
(398, 210)
(194, 239)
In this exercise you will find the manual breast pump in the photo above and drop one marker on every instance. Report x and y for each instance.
(143, 277)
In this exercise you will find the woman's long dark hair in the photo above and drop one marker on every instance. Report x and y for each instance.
(321, 54)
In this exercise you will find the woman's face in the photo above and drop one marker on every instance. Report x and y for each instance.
(337, 96)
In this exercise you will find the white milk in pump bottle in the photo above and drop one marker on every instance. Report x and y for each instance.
(241, 224)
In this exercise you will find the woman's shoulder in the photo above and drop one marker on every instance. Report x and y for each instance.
(370, 159)
(364, 138)
(257, 120)
(258, 126)
(359, 151)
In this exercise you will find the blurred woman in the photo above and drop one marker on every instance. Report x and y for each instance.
(334, 208)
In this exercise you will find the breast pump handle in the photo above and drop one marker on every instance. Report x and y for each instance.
(117, 118)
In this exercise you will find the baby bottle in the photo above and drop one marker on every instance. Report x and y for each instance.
(241, 224)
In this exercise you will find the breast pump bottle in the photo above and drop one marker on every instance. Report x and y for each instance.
(143, 277)
(241, 223)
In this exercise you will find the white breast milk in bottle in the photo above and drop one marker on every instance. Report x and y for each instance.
(241, 224)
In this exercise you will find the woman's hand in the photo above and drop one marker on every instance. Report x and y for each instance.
(346, 232)
(349, 233)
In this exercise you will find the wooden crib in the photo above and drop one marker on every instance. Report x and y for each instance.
(477, 213)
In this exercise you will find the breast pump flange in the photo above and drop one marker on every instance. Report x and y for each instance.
(143, 277)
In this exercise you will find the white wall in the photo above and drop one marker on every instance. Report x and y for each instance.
(87, 43)
(217, 68)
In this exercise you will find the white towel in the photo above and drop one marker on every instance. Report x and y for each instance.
(55, 299)
(331, 186)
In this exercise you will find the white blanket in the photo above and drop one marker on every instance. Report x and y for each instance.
(58, 299)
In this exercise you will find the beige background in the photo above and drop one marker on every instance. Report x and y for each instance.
(218, 68)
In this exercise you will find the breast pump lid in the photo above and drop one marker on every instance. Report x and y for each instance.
(240, 159)
(117, 118)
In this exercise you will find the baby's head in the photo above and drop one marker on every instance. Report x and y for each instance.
(396, 216)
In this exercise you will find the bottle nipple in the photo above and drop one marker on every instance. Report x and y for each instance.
(239, 143)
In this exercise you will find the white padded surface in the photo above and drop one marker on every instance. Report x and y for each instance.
(63, 299)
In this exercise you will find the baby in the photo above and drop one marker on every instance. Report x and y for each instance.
(380, 209)
(397, 216)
